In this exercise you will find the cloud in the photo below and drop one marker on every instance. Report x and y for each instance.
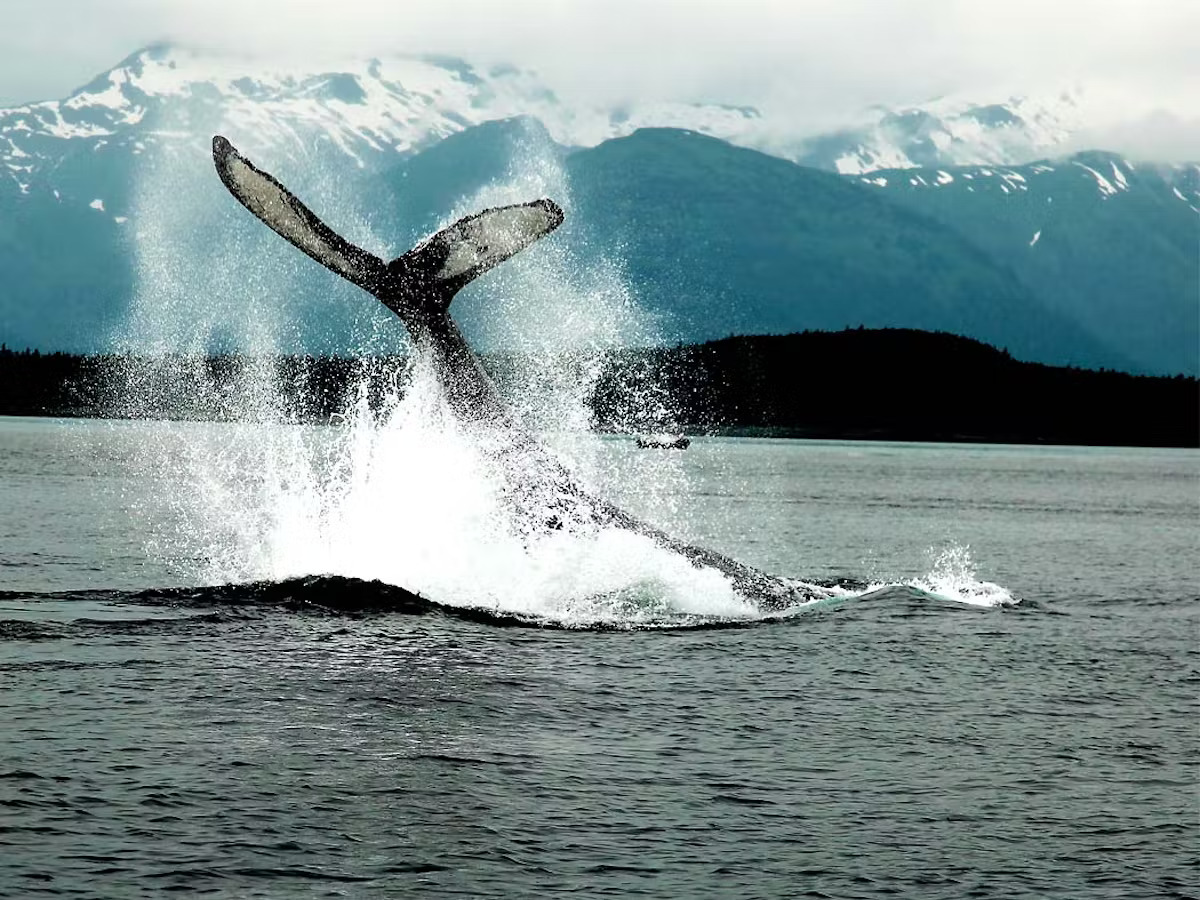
(1158, 135)
(817, 59)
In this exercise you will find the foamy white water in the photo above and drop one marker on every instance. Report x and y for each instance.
(953, 576)
(407, 497)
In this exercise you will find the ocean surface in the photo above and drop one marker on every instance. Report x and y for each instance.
(264, 661)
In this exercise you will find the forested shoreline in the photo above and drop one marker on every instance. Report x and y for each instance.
(882, 384)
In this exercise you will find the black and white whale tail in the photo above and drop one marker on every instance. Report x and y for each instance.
(418, 287)
(426, 278)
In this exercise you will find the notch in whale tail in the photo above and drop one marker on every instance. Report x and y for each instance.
(429, 275)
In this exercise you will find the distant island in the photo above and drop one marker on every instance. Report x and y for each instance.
(869, 384)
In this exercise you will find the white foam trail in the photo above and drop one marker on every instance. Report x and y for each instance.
(952, 576)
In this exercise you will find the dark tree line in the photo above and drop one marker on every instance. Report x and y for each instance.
(892, 384)
(900, 384)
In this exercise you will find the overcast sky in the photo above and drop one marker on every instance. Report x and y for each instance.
(817, 57)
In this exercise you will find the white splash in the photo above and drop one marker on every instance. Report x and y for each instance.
(401, 492)
(953, 576)
(410, 498)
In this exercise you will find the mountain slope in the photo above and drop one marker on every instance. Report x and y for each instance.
(729, 240)
(1105, 242)
(372, 111)
(108, 206)
(64, 274)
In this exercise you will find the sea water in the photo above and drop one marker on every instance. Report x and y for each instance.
(257, 659)
(1001, 701)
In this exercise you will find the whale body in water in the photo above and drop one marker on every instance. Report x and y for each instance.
(419, 287)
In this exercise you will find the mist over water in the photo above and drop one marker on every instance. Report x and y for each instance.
(398, 491)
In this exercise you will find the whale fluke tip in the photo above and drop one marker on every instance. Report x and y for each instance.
(554, 210)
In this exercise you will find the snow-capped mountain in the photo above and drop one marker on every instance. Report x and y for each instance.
(372, 111)
(375, 111)
(107, 201)
(953, 131)
(1103, 241)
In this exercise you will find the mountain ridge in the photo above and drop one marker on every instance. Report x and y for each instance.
(374, 108)
(1106, 242)
(838, 256)
(107, 186)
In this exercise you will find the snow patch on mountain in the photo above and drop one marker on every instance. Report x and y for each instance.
(961, 130)
(369, 110)
(1109, 174)
(1010, 180)
(376, 111)
(1106, 186)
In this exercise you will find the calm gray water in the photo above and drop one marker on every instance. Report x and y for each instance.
(1016, 719)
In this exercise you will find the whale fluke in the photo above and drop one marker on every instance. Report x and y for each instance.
(284, 214)
(418, 287)
(427, 276)
(457, 255)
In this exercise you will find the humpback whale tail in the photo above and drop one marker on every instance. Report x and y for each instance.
(425, 279)
(418, 287)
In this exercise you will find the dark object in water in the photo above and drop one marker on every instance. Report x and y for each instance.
(418, 287)
(664, 442)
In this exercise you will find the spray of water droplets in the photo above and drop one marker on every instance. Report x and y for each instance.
(397, 489)
(952, 576)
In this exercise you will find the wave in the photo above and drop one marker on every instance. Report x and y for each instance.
(78, 613)
(952, 576)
